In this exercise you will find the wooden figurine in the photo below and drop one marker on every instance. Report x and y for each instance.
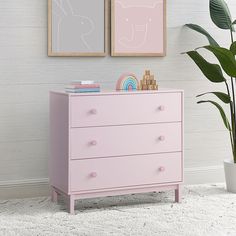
(148, 82)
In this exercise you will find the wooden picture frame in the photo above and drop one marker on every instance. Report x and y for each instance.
(131, 24)
(91, 40)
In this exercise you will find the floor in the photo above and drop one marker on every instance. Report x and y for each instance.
(206, 210)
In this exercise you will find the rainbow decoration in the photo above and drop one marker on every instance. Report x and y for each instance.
(127, 82)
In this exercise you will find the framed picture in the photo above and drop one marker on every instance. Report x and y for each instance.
(77, 27)
(138, 28)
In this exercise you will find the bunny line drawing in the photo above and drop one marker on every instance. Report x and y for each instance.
(65, 18)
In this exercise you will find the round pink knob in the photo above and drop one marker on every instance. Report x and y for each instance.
(93, 143)
(161, 108)
(162, 138)
(162, 168)
(93, 111)
(93, 174)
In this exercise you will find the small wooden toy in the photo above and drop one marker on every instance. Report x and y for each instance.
(127, 82)
(148, 82)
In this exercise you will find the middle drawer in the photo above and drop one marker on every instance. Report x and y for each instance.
(124, 140)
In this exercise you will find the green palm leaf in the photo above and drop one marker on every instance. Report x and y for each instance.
(233, 48)
(222, 113)
(226, 59)
(220, 14)
(222, 96)
(213, 72)
(200, 30)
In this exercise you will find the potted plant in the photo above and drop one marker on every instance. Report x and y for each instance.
(223, 72)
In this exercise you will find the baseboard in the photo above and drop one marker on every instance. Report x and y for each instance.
(203, 175)
(40, 187)
(24, 188)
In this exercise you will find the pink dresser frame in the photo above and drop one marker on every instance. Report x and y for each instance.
(67, 115)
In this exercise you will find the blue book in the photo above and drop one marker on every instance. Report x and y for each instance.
(83, 90)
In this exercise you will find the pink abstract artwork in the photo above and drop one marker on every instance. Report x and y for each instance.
(138, 27)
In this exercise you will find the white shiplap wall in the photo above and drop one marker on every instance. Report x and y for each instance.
(27, 75)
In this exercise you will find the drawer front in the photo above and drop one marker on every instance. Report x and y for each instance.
(125, 109)
(124, 140)
(125, 171)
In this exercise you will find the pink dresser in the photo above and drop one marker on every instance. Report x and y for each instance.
(114, 143)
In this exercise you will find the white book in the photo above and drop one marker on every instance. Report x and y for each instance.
(83, 82)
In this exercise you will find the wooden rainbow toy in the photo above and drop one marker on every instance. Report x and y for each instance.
(127, 82)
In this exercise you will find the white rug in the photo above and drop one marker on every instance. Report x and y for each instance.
(206, 210)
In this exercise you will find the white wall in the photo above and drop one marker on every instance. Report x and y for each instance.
(27, 75)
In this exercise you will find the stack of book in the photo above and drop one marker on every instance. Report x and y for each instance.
(82, 86)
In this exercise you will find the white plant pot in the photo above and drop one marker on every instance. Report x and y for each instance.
(230, 175)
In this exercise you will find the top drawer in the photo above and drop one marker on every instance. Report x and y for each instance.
(103, 110)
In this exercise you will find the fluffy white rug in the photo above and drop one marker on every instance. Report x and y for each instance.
(206, 210)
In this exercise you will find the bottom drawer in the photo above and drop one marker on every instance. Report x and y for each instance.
(125, 171)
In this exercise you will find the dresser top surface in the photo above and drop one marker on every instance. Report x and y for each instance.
(113, 92)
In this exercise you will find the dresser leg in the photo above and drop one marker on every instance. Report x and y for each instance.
(54, 195)
(178, 194)
(71, 204)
